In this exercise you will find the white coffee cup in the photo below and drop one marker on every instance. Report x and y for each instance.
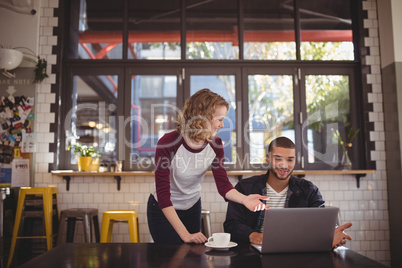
(220, 239)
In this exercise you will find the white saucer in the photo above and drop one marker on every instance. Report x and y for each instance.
(212, 245)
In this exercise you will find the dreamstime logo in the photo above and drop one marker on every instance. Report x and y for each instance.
(146, 131)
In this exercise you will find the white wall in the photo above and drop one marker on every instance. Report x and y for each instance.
(396, 7)
(389, 15)
(386, 32)
(19, 30)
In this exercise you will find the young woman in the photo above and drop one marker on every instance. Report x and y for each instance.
(182, 158)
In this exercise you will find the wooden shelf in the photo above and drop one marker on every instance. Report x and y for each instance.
(100, 174)
(67, 174)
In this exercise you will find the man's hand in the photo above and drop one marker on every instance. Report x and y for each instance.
(255, 238)
(340, 236)
(253, 203)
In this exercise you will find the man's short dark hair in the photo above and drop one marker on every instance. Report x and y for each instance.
(282, 142)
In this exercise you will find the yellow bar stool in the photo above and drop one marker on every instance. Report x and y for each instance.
(48, 194)
(111, 216)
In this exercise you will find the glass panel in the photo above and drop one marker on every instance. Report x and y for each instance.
(327, 100)
(326, 30)
(223, 85)
(212, 30)
(96, 29)
(154, 29)
(270, 112)
(92, 120)
(269, 30)
(153, 113)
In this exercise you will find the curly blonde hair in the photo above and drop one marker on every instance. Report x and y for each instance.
(194, 119)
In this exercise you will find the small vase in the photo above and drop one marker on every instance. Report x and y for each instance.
(84, 163)
(95, 164)
(346, 164)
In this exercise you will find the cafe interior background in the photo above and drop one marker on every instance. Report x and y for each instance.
(123, 60)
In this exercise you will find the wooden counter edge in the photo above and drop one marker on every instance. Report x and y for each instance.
(209, 173)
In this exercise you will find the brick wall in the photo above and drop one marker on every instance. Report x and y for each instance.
(366, 206)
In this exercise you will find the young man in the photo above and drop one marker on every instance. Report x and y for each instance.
(284, 191)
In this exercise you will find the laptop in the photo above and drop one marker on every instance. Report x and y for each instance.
(298, 230)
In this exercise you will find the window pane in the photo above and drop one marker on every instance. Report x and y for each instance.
(270, 112)
(269, 30)
(212, 30)
(93, 117)
(154, 29)
(223, 85)
(96, 29)
(153, 113)
(326, 30)
(327, 100)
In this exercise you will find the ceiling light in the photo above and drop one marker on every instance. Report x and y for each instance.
(161, 119)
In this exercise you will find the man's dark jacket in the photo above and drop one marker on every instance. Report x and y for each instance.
(241, 222)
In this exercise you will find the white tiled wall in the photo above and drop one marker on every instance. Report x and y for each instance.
(365, 207)
(44, 97)
(372, 234)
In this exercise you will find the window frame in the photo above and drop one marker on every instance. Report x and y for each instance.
(241, 68)
(270, 70)
(343, 69)
(145, 70)
(222, 70)
(66, 101)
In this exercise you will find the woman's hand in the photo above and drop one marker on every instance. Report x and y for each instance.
(253, 203)
(197, 238)
(340, 236)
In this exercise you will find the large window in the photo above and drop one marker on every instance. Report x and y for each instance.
(153, 111)
(154, 32)
(271, 112)
(224, 85)
(286, 67)
(90, 117)
(326, 27)
(328, 111)
(212, 30)
(269, 30)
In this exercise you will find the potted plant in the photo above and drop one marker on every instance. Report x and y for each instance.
(29, 55)
(84, 155)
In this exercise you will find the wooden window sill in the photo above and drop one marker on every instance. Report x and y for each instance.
(67, 174)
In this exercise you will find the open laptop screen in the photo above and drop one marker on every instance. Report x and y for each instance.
(298, 230)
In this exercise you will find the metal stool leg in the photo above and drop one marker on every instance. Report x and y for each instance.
(96, 228)
(62, 225)
(48, 212)
(86, 221)
(110, 231)
(206, 223)
(71, 221)
(17, 221)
